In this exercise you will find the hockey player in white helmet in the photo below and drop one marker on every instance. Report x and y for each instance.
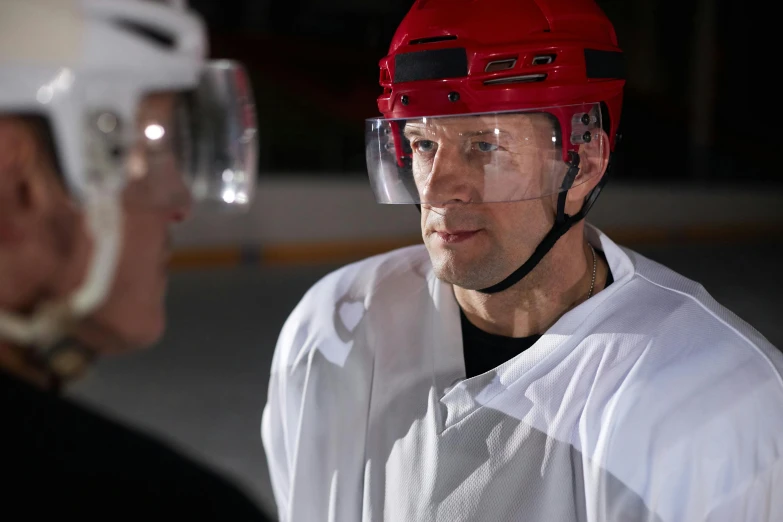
(112, 124)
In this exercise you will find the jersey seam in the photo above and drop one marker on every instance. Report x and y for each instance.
(742, 336)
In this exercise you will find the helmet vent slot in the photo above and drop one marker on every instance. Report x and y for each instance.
(500, 65)
(525, 78)
(544, 59)
(432, 39)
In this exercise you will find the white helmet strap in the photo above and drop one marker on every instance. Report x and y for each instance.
(52, 320)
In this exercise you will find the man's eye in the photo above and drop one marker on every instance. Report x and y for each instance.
(424, 145)
(484, 146)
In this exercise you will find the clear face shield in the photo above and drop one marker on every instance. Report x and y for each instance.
(199, 144)
(480, 158)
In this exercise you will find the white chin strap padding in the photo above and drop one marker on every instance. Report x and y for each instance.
(52, 320)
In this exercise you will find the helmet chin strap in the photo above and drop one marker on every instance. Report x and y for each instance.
(44, 332)
(563, 223)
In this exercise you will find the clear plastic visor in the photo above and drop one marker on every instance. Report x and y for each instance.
(481, 158)
(199, 144)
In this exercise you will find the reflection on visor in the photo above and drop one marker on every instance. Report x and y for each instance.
(226, 136)
(154, 132)
(199, 144)
(480, 158)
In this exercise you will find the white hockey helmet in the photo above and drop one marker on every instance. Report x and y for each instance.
(86, 67)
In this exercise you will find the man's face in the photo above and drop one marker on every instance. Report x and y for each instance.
(156, 198)
(475, 175)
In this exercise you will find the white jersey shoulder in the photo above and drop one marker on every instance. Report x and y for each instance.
(335, 304)
(702, 402)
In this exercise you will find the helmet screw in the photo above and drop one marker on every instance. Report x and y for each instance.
(404, 99)
(586, 119)
(453, 97)
(587, 137)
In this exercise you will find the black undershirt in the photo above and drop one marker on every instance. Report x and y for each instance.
(484, 351)
(61, 461)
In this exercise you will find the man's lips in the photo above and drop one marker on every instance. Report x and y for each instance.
(456, 236)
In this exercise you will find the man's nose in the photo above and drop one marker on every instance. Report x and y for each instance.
(449, 179)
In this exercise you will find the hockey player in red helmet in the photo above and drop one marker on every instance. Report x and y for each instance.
(519, 365)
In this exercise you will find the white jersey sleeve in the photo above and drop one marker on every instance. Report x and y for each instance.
(282, 420)
(314, 424)
(696, 427)
(279, 423)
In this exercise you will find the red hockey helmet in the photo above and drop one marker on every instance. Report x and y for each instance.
(502, 92)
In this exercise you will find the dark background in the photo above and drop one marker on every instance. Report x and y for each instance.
(701, 103)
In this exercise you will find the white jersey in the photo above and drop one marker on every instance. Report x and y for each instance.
(647, 402)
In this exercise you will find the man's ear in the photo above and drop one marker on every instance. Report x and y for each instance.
(593, 161)
(23, 188)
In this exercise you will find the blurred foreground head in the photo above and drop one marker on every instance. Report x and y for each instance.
(112, 124)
